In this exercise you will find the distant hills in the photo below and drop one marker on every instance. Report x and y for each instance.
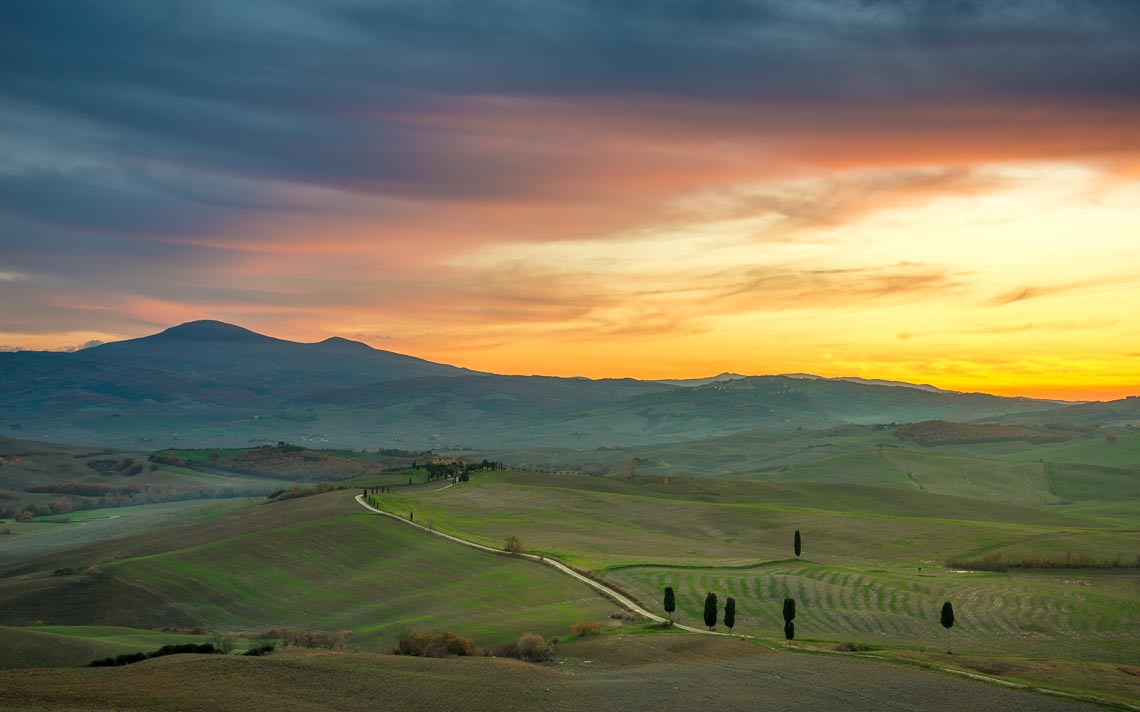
(208, 383)
(213, 349)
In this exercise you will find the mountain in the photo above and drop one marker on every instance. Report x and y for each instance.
(213, 349)
(211, 384)
(797, 402)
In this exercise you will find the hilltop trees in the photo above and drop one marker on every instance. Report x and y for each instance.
(670, 603)
(789, 616)
(947, 621)
(710, 610)
(796, 543)
(729, 613)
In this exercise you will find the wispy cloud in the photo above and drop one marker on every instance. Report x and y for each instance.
(1025, 293)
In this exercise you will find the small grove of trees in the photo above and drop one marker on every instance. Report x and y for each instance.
(729, 613)
(670, 603)
(710, 610)
(789, 616)
(947, 621)
(513, 544)
(434, 645)
(796, 543)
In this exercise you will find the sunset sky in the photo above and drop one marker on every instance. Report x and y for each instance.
(942, 192)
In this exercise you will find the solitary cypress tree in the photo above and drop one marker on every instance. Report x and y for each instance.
(789, 609)
(947, 621)
(670, 603)
(729, 613)
(789, 616)
(710, 610)
(797, 542)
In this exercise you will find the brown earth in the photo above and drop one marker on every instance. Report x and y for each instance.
(642, 672)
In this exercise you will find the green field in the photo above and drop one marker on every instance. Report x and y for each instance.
(879, 522)
(1086, 614)
(50, 646)
(603, 522)
(873, 570)
(366, 574)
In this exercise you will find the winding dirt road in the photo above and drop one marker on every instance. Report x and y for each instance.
(626, 603)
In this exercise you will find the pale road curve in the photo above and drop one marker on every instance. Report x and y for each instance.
(629, 605)
(616, 597)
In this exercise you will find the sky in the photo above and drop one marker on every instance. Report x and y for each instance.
(943, 192)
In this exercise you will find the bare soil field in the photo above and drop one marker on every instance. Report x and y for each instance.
(609, 672)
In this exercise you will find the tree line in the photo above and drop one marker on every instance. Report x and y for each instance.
(712, 607)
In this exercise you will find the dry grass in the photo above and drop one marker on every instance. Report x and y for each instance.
(643, 672)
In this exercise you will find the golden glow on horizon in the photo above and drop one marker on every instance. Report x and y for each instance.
(1014, 280)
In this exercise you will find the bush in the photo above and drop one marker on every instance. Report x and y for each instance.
(258, 650)
(132, 658)
(530, 647)
(580, 630)
(852, 648)
(435, 645)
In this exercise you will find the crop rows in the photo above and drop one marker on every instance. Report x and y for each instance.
(843, 604)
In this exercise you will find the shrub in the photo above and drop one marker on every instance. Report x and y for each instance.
(580, 630)
(434, 645)
(852, 648)
(222, 642)
(529, 647)
(132, 658)
(513, 544)
(258, 650)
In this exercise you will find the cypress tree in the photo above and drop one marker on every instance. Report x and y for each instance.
(789, 616)
(670, 603)
(947, 621)
(796, 544)
(789, 609)
(710, 610)
(729, 613)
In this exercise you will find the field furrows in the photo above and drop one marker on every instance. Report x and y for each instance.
(837, 604)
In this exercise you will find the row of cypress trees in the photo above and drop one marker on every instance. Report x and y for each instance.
(789, 611)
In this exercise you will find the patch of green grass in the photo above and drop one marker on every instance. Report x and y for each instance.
(51, 646)
(364, 573)
(603, 522)
(1123, 450)
(1088, 615)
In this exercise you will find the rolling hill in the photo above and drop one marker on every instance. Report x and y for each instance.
(211, 384)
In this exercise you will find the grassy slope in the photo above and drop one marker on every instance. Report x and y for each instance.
(1084, 614)
(362, 573)
(867, 545)
(52, 646)
(1123, 452)
(600, 522)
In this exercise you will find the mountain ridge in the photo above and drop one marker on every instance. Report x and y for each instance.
(216, 382)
